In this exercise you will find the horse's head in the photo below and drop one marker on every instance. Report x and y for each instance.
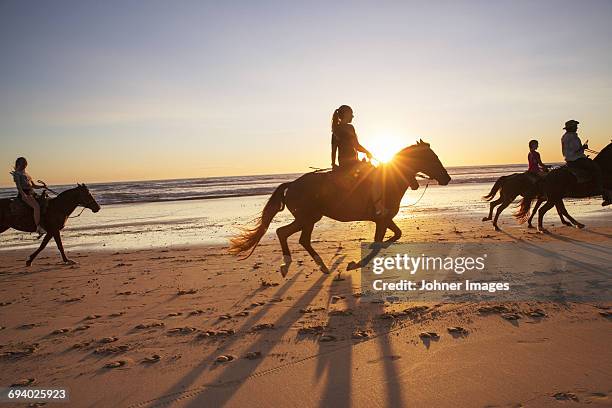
(86, 199)
(419, 158)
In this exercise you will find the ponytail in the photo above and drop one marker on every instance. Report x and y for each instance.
(336, 117)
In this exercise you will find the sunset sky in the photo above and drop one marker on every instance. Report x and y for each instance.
(103, 91)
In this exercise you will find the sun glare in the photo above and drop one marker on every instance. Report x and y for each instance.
(384, 147)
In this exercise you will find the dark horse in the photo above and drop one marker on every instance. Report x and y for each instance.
(315, 195)
(510, 187)
(54, 219)
(562, 182)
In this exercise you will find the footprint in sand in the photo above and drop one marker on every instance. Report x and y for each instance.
(327, 338)
(174, 314)
(150, 325)
(510, 316)
(60, 331)
(565, 396)
(536, 313)
(224, 358)
(112, 349)
(225, 317)
(81, 328)
(81, 345)
(429, 335)
(116, 314)
(336, 298)
(110, 339)
(115, 364)
(182, 330)
(457, 331)
(196, 312)
(24, 382)
(93, 317)
(152, 359)
(242, 314)
(215, 333)
(253, 355)
(360, 334)
(262, 326)
(341, 312)
(257, 304)
(186, 292)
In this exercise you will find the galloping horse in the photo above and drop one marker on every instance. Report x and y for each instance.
(510, 187)
(54, 220)
(561, 183)
(315, 195)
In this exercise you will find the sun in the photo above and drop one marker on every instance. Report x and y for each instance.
(384, 147)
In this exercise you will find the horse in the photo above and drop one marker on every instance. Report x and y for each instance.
(510, 187)
(54, 219)
(562, 183)
(315, 194)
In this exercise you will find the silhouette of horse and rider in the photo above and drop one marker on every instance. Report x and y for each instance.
(354, 190)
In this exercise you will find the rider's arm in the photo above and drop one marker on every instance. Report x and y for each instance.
(358, 145)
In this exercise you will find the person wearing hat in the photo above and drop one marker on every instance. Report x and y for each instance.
(573, 152)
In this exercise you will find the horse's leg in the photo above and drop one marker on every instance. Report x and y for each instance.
(560, 212)
(397, 233)
(491, 207)
(42, 246)
(381, 228)
(305, 237)
(501, 208)
(283, 234)
(58, 241)
(549, 204)
(563, 211)
(535, 210)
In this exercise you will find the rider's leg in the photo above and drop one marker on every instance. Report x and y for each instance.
(31, 201)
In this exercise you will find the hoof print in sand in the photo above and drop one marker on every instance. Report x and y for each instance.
(60, 331)
(224, 358)
(174, 314)
(110, 339)
(112, 349)
(225, 317)
(457, 331)
(93, 317)
(242, 314)
(536, 314)
(196, 312)
(81, 328)
(81, 345)
(510, 316)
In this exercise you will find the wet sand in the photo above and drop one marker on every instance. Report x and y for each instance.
(192, 326)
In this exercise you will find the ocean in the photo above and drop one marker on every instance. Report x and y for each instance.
(163, 213)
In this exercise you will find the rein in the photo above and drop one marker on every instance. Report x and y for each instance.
(424, 190)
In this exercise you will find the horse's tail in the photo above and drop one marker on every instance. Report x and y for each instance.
(495, 188)
(524, 209)
(250, 237)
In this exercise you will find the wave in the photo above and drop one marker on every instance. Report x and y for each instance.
(239, 186)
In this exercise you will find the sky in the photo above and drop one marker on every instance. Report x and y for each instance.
(132, 90)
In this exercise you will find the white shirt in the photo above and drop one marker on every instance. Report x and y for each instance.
(572, 147)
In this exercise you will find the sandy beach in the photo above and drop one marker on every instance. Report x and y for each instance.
(192, 326)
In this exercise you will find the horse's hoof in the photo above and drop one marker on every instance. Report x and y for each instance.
(530, 226)
(69, 262)
(28, 263)
(485, 218)
(284, 270)
(324, 269)
(580, 226)
(497, 228)
(352, 266)
(568, 224)
(543, 231)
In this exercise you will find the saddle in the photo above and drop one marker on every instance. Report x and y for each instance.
(21, 209)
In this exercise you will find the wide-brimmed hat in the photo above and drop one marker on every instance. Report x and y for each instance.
(570, 123)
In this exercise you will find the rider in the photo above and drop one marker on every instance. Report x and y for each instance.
(573, 152)
(25, 187)
(345, 143)
(535, 162)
